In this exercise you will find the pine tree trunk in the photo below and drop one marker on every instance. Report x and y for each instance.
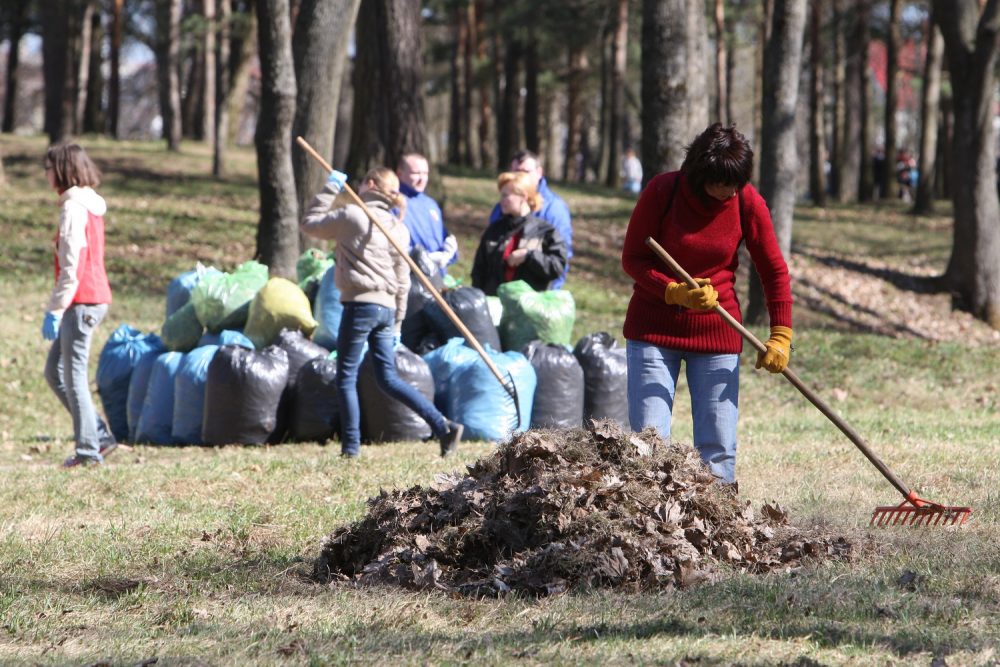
(866, 176)
(461, 36)
(817, 143)
(83, 65)
(322, 31)
(721, 68)
(220, 134)
(469, 78)
(210, 99)
(55, 35)
(94, 118)
(974, 267)
(532, 138)
(674, 81)
(168, 30)
(507, 139)
(243, 51)
(277, 231)
(115, 82)
(923, 202)
(838, 126)
(888, 185)
(487, 139)
(779, 160)
(572, 167)
(616, 121)
(17, 26)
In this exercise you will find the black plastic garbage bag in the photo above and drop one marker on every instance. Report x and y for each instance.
(315, 411)
(469, 303)
(242, 394)
(559, 394)
(417, 333)
(605, 373)
(384, 419)
(300, 350)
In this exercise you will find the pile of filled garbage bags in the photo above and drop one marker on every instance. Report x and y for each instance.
(244, 358)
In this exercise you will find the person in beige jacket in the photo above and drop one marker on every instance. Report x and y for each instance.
(374, 281)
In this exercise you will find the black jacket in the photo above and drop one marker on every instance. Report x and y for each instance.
(546, 260)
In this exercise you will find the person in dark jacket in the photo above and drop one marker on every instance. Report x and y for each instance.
(519, 245)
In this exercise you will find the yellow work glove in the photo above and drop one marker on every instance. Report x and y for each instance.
(779, 349)
(703, 298)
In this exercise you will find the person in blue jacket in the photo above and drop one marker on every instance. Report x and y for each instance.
(423, 215)
(554, 210)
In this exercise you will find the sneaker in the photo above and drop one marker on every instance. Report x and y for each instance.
(74, 461)
(450, 440)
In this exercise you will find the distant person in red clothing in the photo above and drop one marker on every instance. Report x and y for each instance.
(699, 215)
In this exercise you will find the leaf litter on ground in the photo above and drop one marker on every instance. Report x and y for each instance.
(556, 510)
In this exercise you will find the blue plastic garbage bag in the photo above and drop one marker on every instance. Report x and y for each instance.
(125, 348)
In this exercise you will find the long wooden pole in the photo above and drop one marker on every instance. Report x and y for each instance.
(844, 427)
(424, 280)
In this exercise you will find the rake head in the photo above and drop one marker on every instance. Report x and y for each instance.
(915, 511)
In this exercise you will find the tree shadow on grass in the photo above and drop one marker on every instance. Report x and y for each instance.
(898, 279)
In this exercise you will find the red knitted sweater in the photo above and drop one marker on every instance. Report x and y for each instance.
(703, 237)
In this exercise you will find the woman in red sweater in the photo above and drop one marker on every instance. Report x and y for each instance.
(700, 215)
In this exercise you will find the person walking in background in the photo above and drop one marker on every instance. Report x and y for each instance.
(423, 216)
(631, 172)
(374, 280)
(519, 245)
(700, 215)
(553, 209)
(79, 299)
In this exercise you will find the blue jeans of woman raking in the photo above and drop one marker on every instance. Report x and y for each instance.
(371, 322)
(66, 372)
(714, 384)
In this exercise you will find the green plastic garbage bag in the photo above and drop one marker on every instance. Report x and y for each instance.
(182, 330)
(529, 315)
(222, 301)
(280, 304)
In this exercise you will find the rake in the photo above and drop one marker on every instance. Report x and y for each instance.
(508, 383)
(914, 510)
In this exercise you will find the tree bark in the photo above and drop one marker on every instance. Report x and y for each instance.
(94, 118)
(973, 271)
(18, 25)
(210, 95)
(930, 102)
(616, 120)
(277, 231)
(507, 139)
(168, 29)
(242, 49)
(817, 141)
(389, 64)
(115, 79)
(674, 81)
(55, 55)
(322, 32)
(468, 80)
(866, 177)
(220, 134)
(779, 160)
(838, 125)
(486, 120)
(888, 184)
(721, 68)
(578, 65)
(83, 65)
(532, 136)
(455, 115)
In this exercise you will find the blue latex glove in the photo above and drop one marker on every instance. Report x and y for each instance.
(336, 179)
(50, 326)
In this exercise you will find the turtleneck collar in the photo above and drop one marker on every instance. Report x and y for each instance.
(702, 205)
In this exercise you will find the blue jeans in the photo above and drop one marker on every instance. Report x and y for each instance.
(371, 322)
(66, 373)
(714, 382)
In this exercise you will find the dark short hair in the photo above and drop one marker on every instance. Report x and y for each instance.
(72, 166)
(523, 155)
(718, 155)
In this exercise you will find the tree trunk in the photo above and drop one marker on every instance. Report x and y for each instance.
(572, 167)
(455, 116)
(616, 119)
(946, 129)
(888, 185)
(168, 28)
(55, 55)
(220, 134)
(242, 49)
(83, 65)
(930, 102)
(674, 81)
(94, 119)
(779, 160)
(18, 25)
(277, 231)
(210, 95)
(388, 116)
(817, 142)
(721, 68)
(486, 127)
(468, 80)
(866, 177)
(193, 89)
(838, 125)
(532, 138)
(320, 48)
(115, 82)
(507, 139)
(974, 267)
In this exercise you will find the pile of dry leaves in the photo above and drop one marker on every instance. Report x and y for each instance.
(555, 510)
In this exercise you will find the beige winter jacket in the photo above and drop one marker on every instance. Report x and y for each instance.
(368, 268)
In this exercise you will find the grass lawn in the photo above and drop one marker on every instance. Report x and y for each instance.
(200, 555)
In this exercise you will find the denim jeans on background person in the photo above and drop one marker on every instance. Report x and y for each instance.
(66, 372)
(714, 383)
(369, 321)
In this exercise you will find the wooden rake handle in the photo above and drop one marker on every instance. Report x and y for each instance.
(424, 280)
(821, 405)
